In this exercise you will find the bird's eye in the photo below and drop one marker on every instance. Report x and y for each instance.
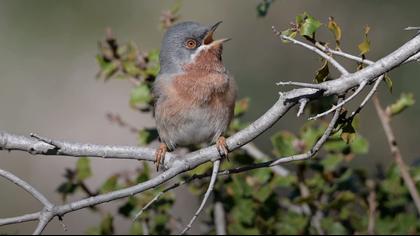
(190, 44)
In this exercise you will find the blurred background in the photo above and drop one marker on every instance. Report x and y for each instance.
(48, 86)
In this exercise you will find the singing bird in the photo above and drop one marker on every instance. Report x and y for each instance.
(194, 93)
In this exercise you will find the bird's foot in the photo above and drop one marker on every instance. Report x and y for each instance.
(160, 155)
(222, 147)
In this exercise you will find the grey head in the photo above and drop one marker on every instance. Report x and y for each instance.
(182, 41)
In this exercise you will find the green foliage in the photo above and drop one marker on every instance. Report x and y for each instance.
(308, 25)
(323, 72)
(305, 24)
(83, 169)
(388, 82)
(405, 101)
(364, 46)
(263, 7)
(105, 228)
(324, 195)
(335, 29)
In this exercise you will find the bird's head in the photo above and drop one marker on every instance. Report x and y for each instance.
(189, 45)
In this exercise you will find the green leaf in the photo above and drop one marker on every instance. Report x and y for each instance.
(364, 46)
(83, 169)
(335, 144)
(348, 133)
(111, 184)
(147, 135)
(289, 33)
(300, 19)
(143, 174)
(263, 193)
(239, 229)
(342, 198)
(243, 211)
(140, 95)
(153, 56)
(240, 187)
(106, 226)
(405, 101)
(359, 145)
(335, 29)
(283, 181)
(388, 82)
(283, 143)
(241, 107)
(331, 162)
(311, 132)
(128, 207)
(322, 73)
(136, 228)
(263, 6)
(310, 26)
(109, 69)
(67, 188)
(333, 227)
(131, 68)
(291, 224)
(262, 175)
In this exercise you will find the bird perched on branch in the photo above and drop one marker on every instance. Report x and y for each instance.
(194, 93)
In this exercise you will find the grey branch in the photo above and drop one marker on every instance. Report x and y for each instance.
(385, 119)
(216, 166)
(27, 187)
(175, 166)
(219, 218)
(44, 216)
(341, 104)
(257, 154)
(37, 145)
(327, 57)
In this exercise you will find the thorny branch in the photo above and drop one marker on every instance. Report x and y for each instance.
(174, 166)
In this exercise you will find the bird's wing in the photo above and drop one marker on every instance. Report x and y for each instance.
(159, 84)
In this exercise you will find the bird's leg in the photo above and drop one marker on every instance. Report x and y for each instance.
(160, 155)
(222, 147)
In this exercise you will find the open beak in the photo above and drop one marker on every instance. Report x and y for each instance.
(208, 39)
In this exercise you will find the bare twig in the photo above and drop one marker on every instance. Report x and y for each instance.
(27, 187)
(341, 104)
(148, 204)
(327, 57)
(409, 182)
(257, 154)
(300, 84)
(44, 216)
(219, 218)
(372, 207)
(216, 166)
(368, 97)
(117, 119)
(302, 104)
(412, 28)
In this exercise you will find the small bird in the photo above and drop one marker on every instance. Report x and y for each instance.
(194, 93)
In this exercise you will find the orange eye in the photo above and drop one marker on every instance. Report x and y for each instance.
(190, 44)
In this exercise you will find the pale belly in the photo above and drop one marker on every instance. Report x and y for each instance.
(195, 126)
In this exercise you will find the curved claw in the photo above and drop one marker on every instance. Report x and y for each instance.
(222, 147)
(160, 155)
